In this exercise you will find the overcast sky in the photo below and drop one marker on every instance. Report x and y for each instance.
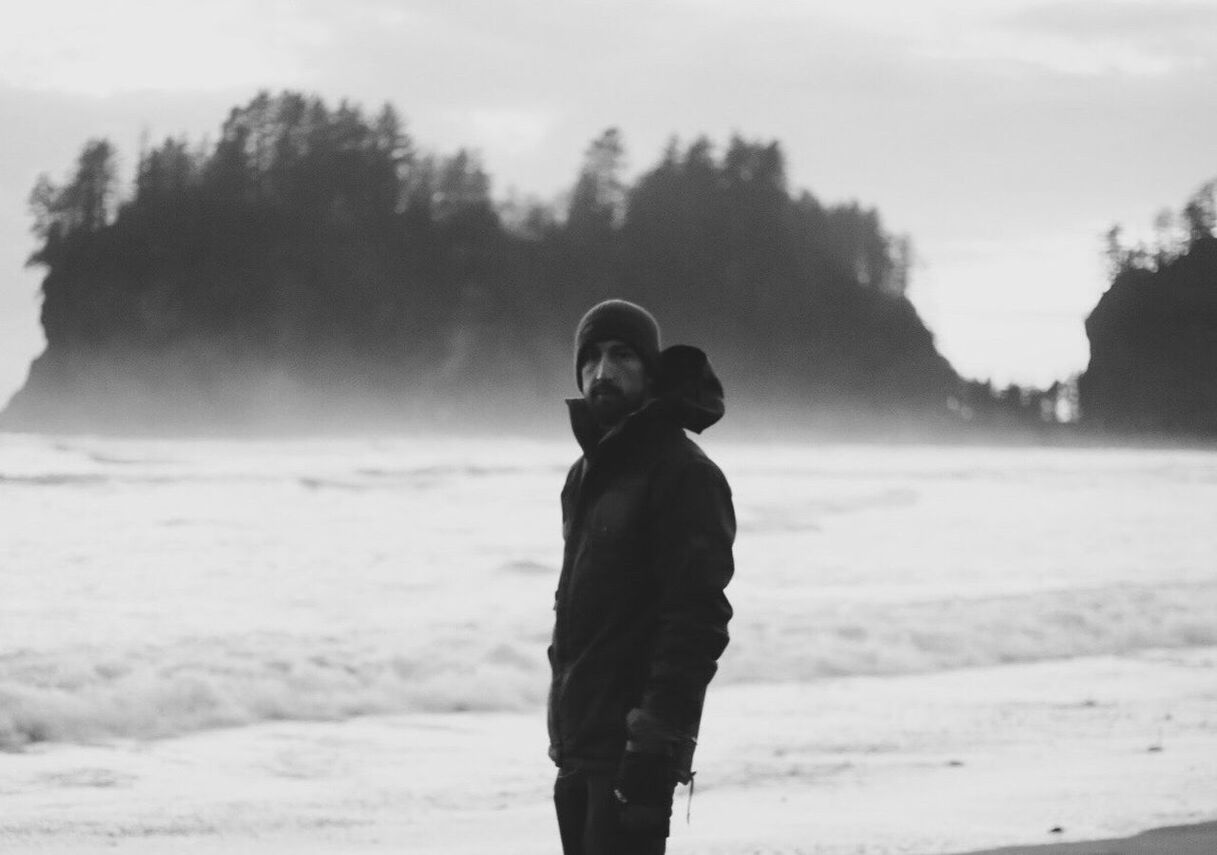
(1003, 135)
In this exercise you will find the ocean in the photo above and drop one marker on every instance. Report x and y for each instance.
(163, 599)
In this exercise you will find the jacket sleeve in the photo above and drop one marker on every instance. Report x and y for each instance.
(695, 530)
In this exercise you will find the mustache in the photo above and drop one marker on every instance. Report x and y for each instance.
(603, 386)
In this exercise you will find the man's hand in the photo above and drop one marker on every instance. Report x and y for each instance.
(644, 787)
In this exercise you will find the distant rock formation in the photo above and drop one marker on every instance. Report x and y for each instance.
(1153, 334)
(314, 254)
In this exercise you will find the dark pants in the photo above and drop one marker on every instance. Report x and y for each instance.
(588, 818)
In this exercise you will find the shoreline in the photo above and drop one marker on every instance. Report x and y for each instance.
(965, 761)
(1193, 839)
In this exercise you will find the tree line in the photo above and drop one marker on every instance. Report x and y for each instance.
(320, 241)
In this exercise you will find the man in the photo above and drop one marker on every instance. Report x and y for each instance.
(641, 617)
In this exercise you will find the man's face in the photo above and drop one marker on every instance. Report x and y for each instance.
(615, 380)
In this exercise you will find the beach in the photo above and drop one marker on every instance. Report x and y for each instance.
(317, 647)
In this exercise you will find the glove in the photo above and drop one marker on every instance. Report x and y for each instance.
(644, 788)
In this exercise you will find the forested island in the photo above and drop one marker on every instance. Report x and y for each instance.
(1153, 334)
(315, 254)
(314, 265)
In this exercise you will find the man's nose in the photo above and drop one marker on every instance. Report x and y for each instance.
(600, 368)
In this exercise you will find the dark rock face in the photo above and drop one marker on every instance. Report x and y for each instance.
(1153, 348)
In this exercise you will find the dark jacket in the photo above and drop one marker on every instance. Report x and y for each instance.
(641, 617)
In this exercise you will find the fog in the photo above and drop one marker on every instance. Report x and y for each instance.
(110, 399)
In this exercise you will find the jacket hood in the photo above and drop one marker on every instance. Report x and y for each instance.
(687, 393)
(688, 389)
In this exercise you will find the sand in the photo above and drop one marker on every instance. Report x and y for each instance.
(1200, 839)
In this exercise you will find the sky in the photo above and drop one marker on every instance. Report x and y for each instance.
(1003, 136)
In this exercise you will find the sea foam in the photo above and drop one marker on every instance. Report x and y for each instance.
(147, 692)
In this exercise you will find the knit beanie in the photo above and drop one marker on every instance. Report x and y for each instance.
(623, 321)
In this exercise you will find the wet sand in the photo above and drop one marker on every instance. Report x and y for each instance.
(1198, 839)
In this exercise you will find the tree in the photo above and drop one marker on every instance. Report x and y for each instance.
(597, 203)
(166, 172)
(460, 185)
(91, 193)
(44, 201)
(85, 203)
(1200, 213)
(903, 259)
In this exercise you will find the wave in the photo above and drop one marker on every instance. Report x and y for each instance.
(799, 641)
(64, 479)
(128, 473)
(93, 479)
(83, 694)
(418, 477)
(807, 514)
(88, 694)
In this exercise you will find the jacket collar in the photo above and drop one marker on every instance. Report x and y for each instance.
(592, 436)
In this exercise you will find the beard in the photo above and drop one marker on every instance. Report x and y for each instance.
(609, 404)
